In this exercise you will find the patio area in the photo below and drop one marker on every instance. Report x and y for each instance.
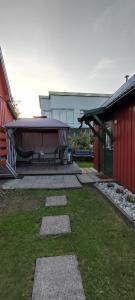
(48, 169)
(39, 146)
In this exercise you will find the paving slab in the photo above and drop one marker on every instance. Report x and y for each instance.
(56, 201)
(94, 176)
(43, 182)
(85, 178)
(53, 225)
(48, 169)
(57, 278)
(90, 177)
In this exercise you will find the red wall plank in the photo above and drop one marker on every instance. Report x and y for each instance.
(133, 150)
(124, 147)
(5, 114)
(3, 144)
(3, 152)
(3, 85)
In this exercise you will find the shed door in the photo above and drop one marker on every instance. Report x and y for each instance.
(107, 166)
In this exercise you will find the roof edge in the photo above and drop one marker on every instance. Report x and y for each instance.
(33, 123)
(79, 94)
(89, 114)
(125, 89)
(12, 109)
(119, 98)
(5, 74)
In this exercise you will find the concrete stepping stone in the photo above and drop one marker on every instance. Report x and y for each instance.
(53, 225)
(56, 201)
(88, 178)
(57, 278)
(85, 178)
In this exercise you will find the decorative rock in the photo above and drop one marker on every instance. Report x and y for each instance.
(131, 198)
(120, 196)
(54, 225)
(119, 190)
(110, 184)
(56, 201)
(57, 278)
(133, 216)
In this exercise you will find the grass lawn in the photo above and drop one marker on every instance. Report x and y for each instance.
(105, 246)
(84, 163)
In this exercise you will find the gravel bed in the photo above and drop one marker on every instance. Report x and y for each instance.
(121, 196)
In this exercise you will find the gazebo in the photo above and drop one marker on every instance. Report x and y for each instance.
(34, 141)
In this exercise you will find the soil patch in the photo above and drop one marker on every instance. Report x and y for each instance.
(18, 200)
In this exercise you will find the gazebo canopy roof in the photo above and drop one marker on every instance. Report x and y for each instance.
(37, 123)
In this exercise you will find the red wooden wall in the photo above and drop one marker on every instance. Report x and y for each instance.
(5, 114)
(3, 85)
(124, 147)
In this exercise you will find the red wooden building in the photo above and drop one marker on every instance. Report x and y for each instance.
(7, 112)
(114, 130)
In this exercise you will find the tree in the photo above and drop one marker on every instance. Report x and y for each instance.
(15, 107)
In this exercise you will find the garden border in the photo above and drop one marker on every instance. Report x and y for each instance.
(127, 219)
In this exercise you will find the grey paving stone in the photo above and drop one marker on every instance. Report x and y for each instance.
(53, 225)
(85, 178)
(57, 278)
(43, 182)
(56, 201)
(49, 169)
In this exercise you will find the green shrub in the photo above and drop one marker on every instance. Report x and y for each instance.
(81, 141)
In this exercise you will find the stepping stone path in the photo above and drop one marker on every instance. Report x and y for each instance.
(57, 278)
(53, 225)
(56, 201)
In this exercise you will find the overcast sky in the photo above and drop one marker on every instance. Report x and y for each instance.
(66, 45)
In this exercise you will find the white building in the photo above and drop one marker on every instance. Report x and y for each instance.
(68, 107)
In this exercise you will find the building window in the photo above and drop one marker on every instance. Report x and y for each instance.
(47, 113)
(56, 114)
(70, 116)
(108, 140)
(64, 115)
